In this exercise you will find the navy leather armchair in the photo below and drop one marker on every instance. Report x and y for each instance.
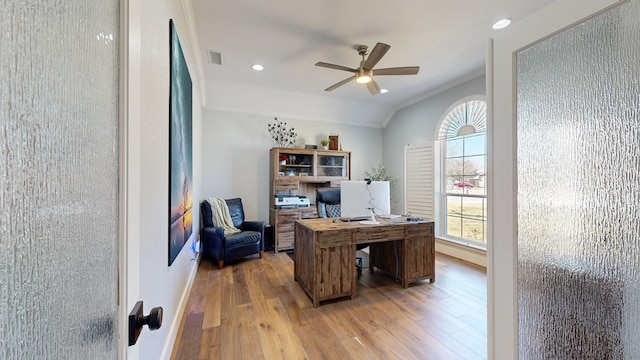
(220, 248)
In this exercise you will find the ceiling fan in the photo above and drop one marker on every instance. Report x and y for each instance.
(365, 72)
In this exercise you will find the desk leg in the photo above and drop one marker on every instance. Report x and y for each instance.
(403, 260)
(353, 277)
(333, 273)
(316, 281)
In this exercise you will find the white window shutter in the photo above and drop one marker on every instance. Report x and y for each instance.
(419, 198)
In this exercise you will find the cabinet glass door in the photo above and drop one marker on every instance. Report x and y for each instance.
(333, 165)
(295, 164)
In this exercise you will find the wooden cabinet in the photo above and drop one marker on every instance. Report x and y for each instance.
(300, 172)
(283, 220)
(312, 164)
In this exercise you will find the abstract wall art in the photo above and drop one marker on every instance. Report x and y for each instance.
(180, 149)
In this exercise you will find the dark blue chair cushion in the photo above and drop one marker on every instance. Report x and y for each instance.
(242, 238)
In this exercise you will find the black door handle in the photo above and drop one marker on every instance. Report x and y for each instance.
(137, 320)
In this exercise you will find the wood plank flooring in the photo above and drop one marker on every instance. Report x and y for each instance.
(254, 309)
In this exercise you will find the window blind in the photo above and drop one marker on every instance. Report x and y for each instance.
(419, 179)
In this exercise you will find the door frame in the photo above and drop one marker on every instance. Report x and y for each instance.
(502, 180)
(129, 170)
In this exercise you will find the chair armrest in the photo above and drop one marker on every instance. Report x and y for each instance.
(212, 238)
(255, 226)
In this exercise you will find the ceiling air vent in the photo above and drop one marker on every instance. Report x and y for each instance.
(215, 57)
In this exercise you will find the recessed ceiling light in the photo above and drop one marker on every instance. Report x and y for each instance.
(257, 67)
(382, 91)
(501, 24)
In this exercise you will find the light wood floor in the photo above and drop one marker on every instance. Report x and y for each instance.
(254, 309)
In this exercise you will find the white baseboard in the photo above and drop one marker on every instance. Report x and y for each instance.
(173, 331)
(474, 256)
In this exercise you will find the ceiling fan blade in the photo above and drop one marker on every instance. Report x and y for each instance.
(337, 85)
(334, 66)
(375, 55)
(406, 70)
(373, 87)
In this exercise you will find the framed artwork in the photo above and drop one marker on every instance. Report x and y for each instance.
(180, 149)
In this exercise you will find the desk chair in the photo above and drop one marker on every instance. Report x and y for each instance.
(328, 204)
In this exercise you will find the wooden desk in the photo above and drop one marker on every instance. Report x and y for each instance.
(325, 254)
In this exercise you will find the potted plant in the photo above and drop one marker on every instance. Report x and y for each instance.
(379, 173)
(324, 143)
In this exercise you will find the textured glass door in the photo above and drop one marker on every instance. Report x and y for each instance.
(518, 174)
(59, 179)
(578, 131)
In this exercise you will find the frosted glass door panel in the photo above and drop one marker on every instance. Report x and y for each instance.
(59, 180)
(578, 135)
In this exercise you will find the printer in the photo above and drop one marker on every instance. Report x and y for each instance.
(303, 201)
(290, 201)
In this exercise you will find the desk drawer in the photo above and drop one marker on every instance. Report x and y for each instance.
(420, 229)
(284, 229)
(285, 240)
(334, 238)
(286, 219)
(285, 225)
(379, 233)
(308, 212)
(285, 185)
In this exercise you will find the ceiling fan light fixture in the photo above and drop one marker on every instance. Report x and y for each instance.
(364, 73)
(363, 77)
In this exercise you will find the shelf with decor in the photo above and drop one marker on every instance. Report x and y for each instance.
(300, 172)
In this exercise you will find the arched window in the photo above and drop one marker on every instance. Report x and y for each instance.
(463, 198)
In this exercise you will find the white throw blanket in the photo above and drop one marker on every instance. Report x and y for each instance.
(221, 217)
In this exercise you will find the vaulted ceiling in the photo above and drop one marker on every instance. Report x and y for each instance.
(446, 39)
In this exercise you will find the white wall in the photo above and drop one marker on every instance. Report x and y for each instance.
(235, 153)
(417, 123)
(151, 279)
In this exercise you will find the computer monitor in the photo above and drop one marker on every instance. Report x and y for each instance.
(357, 197)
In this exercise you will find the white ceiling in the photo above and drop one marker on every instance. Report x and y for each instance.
(447, 39)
